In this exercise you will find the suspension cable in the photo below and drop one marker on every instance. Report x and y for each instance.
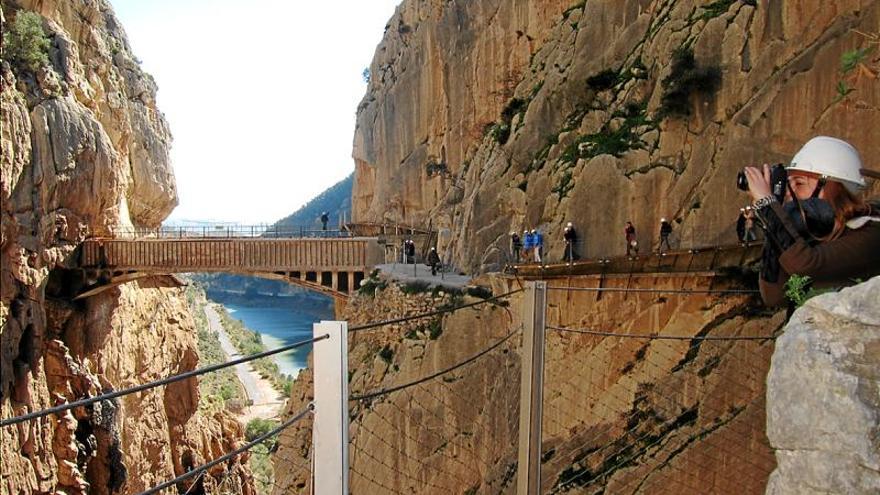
(157, 383)
(204, 467)
(430, 313)
(655, 336)
(386, 391)
(657, 291)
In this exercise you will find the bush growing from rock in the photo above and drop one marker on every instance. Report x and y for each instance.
(25, 44)
(684, 80)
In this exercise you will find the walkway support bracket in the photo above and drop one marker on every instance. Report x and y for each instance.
(330, 430)
(531, 389)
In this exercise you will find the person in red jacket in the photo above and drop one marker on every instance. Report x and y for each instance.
(632, 245)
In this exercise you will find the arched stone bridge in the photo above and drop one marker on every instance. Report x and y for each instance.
(334, 266)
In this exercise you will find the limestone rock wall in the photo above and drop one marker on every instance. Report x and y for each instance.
(84, 150)
(623, 415)
(823, 410)
(445, 436)
(579, 91)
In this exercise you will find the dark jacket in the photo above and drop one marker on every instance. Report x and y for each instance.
(433, 258)
(570, 235)
(853, 255)
(665, 229)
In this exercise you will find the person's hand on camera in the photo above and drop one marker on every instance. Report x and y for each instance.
(759, 181)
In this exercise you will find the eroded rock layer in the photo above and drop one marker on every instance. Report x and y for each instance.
(488, 117)
(85, 150)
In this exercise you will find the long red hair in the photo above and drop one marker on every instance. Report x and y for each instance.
(846, 206)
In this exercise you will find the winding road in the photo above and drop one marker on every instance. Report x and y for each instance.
(266, 401)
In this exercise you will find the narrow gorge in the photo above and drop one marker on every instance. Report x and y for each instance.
(85, 150)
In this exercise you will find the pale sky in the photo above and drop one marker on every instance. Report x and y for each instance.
(260, 96)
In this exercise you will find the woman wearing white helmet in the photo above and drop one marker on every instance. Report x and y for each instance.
(821, 228)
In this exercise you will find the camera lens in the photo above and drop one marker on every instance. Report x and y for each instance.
(742, 182)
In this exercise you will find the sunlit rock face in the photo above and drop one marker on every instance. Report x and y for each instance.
(823, 408)
(489, 117)
(624, 414)
(85, 150)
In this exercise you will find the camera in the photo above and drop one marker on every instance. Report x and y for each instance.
(778, 181)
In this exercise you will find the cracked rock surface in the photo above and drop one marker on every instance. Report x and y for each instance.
(484, 118)
(823, 405)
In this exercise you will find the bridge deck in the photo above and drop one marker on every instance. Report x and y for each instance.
(333, 265)
(231, 255)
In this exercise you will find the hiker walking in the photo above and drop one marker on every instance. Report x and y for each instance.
(570, 237)
(538, 242)
(325, 217)
(632, 245)
(528, 244)
(741, 225)
(434, 261)
(665, 230)
(409, 248)
(515, 246)
(749, 231)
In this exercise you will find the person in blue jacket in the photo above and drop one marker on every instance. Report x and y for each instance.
(538, 244)
(528, 244)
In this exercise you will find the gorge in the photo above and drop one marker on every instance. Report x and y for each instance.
(479, 118)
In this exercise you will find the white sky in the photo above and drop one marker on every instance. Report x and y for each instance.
(260, 96)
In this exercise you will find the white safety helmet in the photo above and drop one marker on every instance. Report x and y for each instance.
(662, 220)
(833, 159)
(569, 225)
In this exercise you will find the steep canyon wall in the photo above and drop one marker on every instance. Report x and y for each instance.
(84, 150)
(488, 117)
(627, 415)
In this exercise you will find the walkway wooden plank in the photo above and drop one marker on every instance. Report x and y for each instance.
(232, 255)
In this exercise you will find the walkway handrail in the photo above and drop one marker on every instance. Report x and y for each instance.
(228, 231)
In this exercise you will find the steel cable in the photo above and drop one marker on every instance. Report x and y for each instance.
(230, 455)
(388, 390)
(654, 336)
(154, 384)
(453, 309)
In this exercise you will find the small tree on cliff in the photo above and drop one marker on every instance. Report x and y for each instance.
(25, 44)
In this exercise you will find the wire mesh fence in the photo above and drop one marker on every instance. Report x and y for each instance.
(676, 410)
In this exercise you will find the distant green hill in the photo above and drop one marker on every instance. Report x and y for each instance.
(334, 201)
(241, 289)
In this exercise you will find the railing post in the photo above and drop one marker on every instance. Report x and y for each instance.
(330, 429)
(531, 389)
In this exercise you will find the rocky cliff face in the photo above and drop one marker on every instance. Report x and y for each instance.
(488, 117)
(626, 415)
(823, 409)
(84, 150)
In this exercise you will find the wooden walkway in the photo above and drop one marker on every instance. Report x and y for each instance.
(333, 265)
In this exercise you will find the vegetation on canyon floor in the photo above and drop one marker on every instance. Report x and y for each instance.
(249, 342)
(221, 389)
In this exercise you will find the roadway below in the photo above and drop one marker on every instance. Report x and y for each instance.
(266, 401)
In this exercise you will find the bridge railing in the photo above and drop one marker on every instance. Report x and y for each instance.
(229, 231)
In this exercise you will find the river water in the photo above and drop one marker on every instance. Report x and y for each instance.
(279, 326)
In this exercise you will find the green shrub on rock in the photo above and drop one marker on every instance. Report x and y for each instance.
(685, 80)
(25, 44)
